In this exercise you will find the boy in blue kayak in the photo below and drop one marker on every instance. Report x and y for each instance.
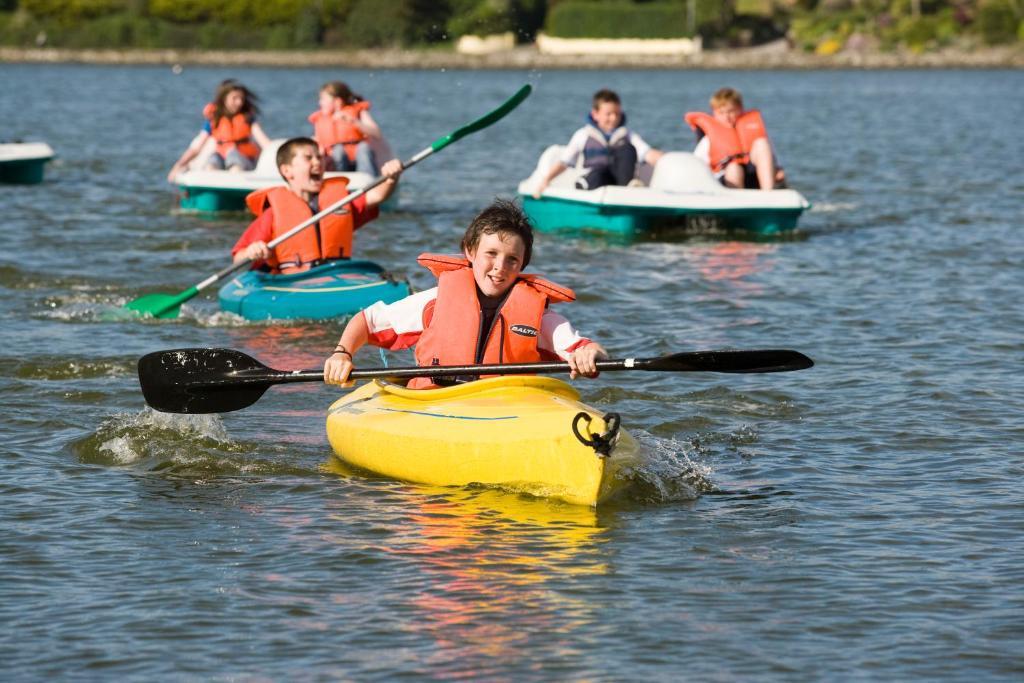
(279, 209)
(483, 310)
(610, 150)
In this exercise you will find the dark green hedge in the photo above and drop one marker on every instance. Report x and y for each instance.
(132, 31)
(242, 13)
(998, 22)
(68, 11)
(235, 12)
(393, 23)
(619, 19)
(224, 24)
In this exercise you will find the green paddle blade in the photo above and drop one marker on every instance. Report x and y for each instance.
(483, 121)
(161, 305)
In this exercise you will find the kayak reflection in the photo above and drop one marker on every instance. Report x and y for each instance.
(493, 569)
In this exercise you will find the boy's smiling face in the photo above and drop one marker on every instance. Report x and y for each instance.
(497, 261)
(305, 172)
(608, 115)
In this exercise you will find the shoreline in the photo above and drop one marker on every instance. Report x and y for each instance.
(771, 56)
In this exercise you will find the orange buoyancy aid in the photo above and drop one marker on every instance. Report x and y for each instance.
(452, 326)
(330, 238)
(330, 131)
(232, 132)
(729, 143)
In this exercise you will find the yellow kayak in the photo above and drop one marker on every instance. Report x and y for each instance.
(521, 433)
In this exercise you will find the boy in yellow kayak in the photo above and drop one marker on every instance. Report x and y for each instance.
(279, 209)
(483, 310)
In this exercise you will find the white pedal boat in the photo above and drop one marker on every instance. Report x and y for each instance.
(681, 191)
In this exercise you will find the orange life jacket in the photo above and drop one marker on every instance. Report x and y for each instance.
(232, 132)
(330, 238)
(330, 131)
(452, 321)
(729, 143)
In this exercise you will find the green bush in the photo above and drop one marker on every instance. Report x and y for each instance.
(485, 17)
(997, 22)
(176, 36)
(576, 19)
(262, 12)
(334, 12)
(239, 12)
(280, 37)
(117, 30)
(120, 30)
(904, 8)
(19, 29)
(748, 29)
(811, 30)
(394, 23)
(215, 36)
(186, 11)
(70, 11)
(375, 23)
(426, 21)
(915, 33)
(481, 17)
(309, 29)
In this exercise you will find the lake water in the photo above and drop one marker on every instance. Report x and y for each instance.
(862, 520)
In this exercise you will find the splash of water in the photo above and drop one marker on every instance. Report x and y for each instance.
(96, 307)
(833, 207)
(127, 439)
(669, 471)
(192, 446)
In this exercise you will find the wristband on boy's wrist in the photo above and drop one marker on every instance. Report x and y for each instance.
(340, 348)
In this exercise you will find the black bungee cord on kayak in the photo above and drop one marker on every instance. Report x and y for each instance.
(601, 443)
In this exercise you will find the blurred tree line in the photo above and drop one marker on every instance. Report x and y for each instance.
(824, 26)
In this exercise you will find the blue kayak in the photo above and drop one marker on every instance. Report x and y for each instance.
(332, 290)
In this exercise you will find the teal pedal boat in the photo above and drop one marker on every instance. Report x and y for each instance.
(332, 290)
(681, 192)
(22, 163)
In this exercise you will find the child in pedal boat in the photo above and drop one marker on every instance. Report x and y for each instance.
(735, 144)
(345, 130)
(279, 209)
(231, 124)
(484, 309)
(610, 150)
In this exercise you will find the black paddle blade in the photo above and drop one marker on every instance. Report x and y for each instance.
(769, 360)
(200, 380)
